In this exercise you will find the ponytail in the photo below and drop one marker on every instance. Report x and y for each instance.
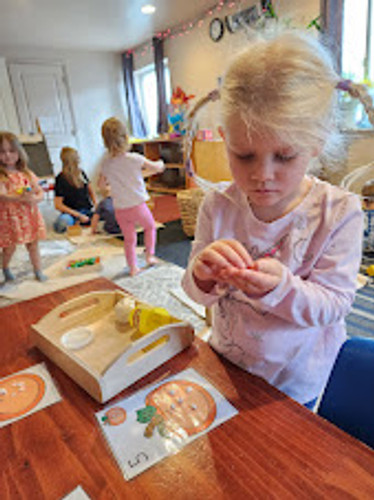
(361, 93)
(212, 96)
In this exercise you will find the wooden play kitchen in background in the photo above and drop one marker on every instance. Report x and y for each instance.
(208, 157)
(172, 179)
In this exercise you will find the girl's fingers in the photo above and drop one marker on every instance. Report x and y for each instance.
(222, 255)
(239, 253)
(227, 253)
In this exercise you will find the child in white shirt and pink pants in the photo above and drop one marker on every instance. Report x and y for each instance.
(124, 173)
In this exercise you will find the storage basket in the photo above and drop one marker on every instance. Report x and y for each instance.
(188, 203)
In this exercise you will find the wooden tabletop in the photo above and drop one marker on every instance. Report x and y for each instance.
(274, 448)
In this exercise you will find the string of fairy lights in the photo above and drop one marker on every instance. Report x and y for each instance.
(184, 29)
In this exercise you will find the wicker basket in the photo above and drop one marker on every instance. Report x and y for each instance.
(188, 203)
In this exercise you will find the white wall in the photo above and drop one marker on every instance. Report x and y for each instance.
(195, 61)
(96, 88)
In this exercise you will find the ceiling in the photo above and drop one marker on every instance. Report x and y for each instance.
(108, 25)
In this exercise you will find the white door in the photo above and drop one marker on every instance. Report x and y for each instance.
(8, 115)
(42, 96)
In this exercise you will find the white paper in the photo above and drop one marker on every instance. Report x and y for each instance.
(77, 494)
(134, 451)
(42, 389)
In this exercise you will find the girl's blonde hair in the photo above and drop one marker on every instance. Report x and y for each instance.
(22, 163)
(70, 166)
(287, 85)
(115, 136)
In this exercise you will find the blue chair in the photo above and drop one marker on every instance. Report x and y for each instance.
(348, 399)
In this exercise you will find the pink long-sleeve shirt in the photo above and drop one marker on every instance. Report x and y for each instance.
(290, 336)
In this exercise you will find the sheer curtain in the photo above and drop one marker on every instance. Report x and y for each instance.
(332, 27)
(162, 122)
(137, 125)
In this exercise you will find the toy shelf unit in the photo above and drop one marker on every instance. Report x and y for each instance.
(100, 352)
(172, 179)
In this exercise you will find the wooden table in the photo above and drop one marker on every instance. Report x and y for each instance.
(274, 448)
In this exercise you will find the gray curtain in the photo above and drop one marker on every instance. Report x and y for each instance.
(162, 121)
(332, 27)
(137, 125)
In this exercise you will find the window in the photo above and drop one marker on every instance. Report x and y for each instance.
(358, 52)
(146, 84)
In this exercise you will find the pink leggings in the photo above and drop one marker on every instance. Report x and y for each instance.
(127, 219)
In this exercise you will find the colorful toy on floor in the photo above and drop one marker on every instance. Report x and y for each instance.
(88, 264)
(84, 262)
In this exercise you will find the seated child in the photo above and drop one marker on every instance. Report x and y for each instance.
(105, 212)
(367, 194)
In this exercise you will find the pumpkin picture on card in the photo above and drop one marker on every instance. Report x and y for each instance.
(19, 394)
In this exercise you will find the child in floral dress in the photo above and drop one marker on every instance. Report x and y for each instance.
(20, 219)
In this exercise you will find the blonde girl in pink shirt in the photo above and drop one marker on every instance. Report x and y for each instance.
(277, 251)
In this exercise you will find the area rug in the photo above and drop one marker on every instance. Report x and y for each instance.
(26, 287)
(360, 322)
(87, 238)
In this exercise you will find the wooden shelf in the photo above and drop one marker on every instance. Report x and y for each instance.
(174, 165)
(171, 152)
(159, 188)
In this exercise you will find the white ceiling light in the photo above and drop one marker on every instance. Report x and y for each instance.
(148, 9)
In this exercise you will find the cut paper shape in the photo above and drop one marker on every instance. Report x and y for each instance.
(162, 419)
(187, 408)
(114, 416)
(26, 392)
(77, 338)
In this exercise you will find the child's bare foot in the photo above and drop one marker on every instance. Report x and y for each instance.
(134, 271)
(152, 260)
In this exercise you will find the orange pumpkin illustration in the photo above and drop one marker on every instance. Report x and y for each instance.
(19, 394)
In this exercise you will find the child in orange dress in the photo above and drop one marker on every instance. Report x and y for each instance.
(20, 219)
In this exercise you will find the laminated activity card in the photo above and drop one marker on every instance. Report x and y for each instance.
(161, 419)
(26, 392)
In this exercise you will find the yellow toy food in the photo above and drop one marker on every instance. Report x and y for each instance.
(147, 319)
(370, 270)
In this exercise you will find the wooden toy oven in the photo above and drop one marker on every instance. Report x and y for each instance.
(106, 356)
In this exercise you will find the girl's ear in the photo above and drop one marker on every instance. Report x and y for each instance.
(221, 132)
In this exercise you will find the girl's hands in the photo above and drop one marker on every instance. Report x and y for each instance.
(228, 262)
(29, 197)
(262, 278)
(219, 255)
